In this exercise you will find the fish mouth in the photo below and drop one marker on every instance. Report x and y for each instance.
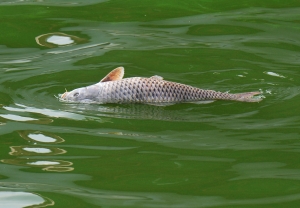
(63, 95)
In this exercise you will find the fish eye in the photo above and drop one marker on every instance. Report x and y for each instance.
(76, 94)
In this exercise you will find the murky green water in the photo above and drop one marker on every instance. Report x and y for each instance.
(222, 154)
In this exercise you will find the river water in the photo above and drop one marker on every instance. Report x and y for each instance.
(221, 154)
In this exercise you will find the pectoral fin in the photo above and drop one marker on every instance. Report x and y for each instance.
(114, 75)
(203, 101)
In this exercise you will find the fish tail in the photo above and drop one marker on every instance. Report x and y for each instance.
(246, 97)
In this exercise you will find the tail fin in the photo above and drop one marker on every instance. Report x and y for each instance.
(247, 97)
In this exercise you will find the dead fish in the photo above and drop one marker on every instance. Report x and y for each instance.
(154, 91)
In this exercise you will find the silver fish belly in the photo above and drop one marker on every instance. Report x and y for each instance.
(154, 90)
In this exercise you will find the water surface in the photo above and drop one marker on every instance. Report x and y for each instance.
(221, 154)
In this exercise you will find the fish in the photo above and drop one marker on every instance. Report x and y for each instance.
(113, 88)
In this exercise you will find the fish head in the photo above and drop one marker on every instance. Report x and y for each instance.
(80, 95)
(91, 93)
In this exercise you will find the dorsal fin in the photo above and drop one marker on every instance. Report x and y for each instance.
(157, 77)
(114, 75)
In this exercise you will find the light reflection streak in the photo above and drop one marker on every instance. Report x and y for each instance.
(38, 139)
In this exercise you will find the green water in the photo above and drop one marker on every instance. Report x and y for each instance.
(222, 154)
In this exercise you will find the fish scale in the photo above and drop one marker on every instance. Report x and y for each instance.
(151, 90)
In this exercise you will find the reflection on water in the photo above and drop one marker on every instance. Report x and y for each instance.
(36, 139)
(151, 199)
(53, 165)
(150, 36)
(17, 118)
(43, 111)
(265, 170)
(60, 40)
(179, 112)
(52, 40)
(35, 150)
(13, 117)
(38, 136)
(51, 2)
(274, 74)
(41, 138)
(127, 111)
(30, 150)
(17, 199)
